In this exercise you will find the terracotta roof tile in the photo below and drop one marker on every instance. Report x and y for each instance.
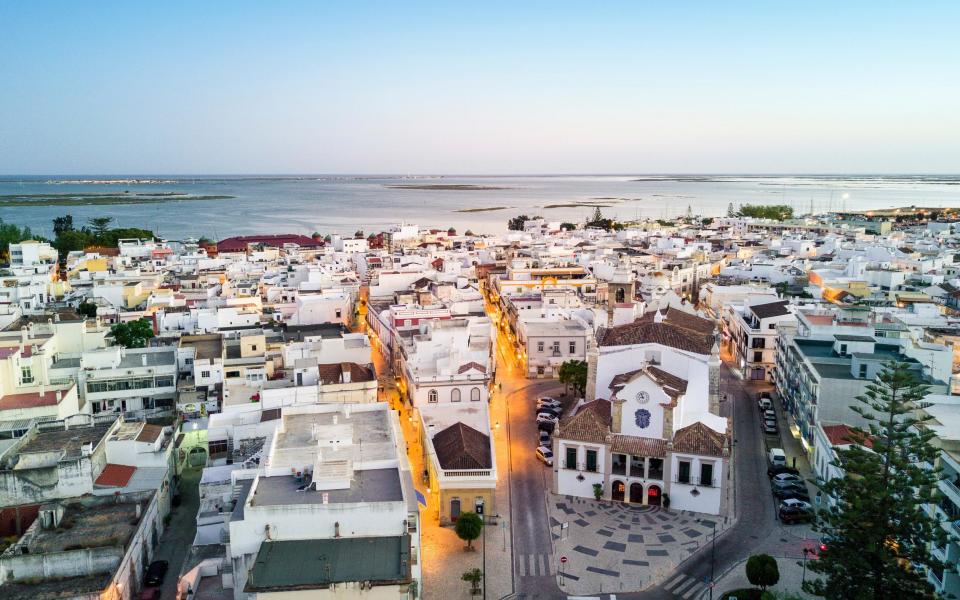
(591, 423)
(471, 365)
(149, 433)
(699, 439)
(462, 447)
(115, 476)
(638, 446)
(843, 435)
(334, 373)
(677, 329)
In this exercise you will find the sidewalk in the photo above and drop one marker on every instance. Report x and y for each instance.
(791, 578)
(444, 557)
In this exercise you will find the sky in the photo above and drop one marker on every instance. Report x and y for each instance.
(479, 88)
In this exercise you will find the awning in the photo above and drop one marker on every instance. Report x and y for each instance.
(421, 498)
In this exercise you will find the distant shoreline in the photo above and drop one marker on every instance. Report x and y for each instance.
(445, 187)
(93, 199)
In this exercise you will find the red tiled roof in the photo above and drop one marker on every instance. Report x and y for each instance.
(149, 433)
(699, 439)
(843, 435)
(591, 423)
(28, 400)
(115, 476)
(471, 365)
(239, 243)
(676, 329)
(334, 373)
(462, 447)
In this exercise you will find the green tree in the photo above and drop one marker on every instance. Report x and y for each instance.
(777, 212)
(473, 577)
(762, 571)
(730, 210)
(516, 223)
(568, 226)
(13, 234)
(469, 527)
(573, 373)
(87, 309)
(133, 334)
(878, 527)
(100, 225)
(62, 224)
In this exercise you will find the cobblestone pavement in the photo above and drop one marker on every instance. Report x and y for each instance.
(611, 546)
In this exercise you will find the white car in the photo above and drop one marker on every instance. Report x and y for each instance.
(784, 477)
(547, 418)
(548, 403)
(545, 455)
(795, 503)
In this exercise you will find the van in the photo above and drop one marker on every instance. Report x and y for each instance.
(765, 404)
(777, 457)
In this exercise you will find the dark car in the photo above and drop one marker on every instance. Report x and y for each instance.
(155, 573)
(791, 515)
(792, 491)
(770, 427)
(556, 412)
(544, 438)
(547, 426)
(777, 469)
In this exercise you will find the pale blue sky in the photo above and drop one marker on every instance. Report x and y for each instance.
(551, 87)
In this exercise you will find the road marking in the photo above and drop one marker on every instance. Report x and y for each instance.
(689, 580)
(695, 590)
(677, 579)
(522, 566)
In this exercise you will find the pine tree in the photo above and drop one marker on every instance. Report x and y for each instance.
(877, 531)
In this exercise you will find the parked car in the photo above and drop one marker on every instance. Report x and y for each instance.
(783, 483)
(547, 426)
(155, 573)
(545, 455)
(547, 410)
(764, 402)
(542, 402)
(792, 491)
(547, 417)
(794, 515)
(795, 503)
(786, 477)
(544, 438)
(777, 469)
(770, 427)
(769, 415)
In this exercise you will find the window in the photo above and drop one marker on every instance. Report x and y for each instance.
(863, 371)
(556, 347)
(455, 395)
(573, 347)
(636, 466)
(592, 461)
(843, 349)
(683, 471)
(165, 381)
(204, 374)
(539, 346)
(653, 357)
(571, 458)
(758, 342)
(338, 312)
(475, 394)
(706, 474)
(758, 357)
(619, 465)
(218, 447)
(432, 396)
(26, 375)
(253, 347)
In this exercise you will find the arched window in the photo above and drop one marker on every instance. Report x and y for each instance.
(620, 296)
(475, 394)
(432, 396)
(455, 395)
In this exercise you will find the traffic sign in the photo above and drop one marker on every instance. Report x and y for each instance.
(563, 560)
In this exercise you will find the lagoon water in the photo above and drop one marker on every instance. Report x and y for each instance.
(344, 204)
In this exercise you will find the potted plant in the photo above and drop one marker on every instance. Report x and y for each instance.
(598, 491)
(473, 577)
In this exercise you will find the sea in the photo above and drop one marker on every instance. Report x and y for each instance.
(482, 204)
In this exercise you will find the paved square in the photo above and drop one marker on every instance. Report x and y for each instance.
(603, 541)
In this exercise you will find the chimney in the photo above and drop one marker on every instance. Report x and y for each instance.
(43, 390)
(23, 335)
(345, 372)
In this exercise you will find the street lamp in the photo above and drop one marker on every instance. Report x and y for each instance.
(713, 553)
